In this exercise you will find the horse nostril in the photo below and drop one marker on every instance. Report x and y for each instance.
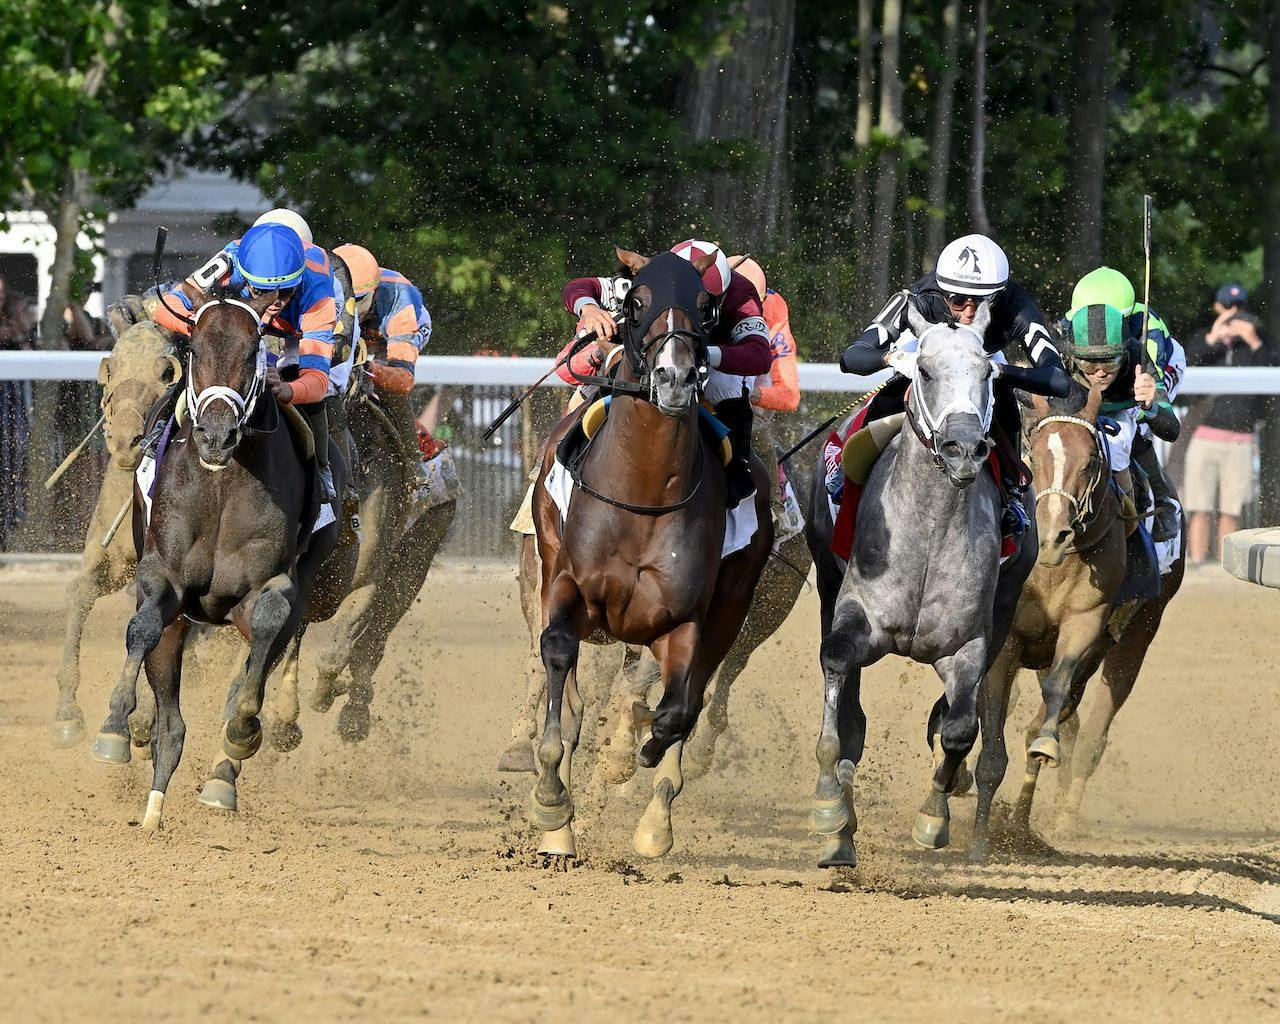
(981, 449)
(952, 448)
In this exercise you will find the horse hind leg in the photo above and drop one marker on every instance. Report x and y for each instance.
(283, 730)
(519, 755)
(961, 675)
(629, 709)
(157, 608)
(701, 750)
(82, 593)
(993, 760)
(164, 673)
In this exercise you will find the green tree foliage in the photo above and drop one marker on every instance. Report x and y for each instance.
(95, 98)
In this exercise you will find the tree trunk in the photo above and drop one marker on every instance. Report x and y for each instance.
(861, 142)
(940, 137)
(977, 182)
(1269, 484)
(742, 99)
(1087, 133)
(887, 166)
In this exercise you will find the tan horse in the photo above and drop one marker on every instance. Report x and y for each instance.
(138, 371)
(1061, 617)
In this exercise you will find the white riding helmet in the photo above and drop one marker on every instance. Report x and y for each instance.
(289, 219)
(972, 265)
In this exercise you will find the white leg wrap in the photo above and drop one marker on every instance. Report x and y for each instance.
(155, 805)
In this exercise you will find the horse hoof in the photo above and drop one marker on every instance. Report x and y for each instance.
(616, 770)
(838, 852)
(652, 841)
(962, 784)
(1046, 749)
(828, 817)
(322, 699)
(143, 750)
(650, 753)
(220, 794)
(979, 850)
(931, 832)
(353, 722)
(68, 732)
(559, 843)
(286, 736)
(242, 751)
(518, 758)
(550, 817)
(109, 748)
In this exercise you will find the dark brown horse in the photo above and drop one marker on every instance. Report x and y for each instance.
(638, 556)
(229, 542)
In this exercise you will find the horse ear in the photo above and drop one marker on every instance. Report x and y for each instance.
(633, 261)
(982, 318)
(916, 321)
(167, 369)
(704, 263)
(104, 371)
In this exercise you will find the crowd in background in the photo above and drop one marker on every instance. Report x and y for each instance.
(75, 412)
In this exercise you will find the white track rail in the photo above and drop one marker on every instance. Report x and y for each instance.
(523, 371)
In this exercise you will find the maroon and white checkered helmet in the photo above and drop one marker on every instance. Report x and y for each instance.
(717, 275)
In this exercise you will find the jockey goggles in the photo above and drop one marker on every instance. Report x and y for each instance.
(960, 298)
(281, 294)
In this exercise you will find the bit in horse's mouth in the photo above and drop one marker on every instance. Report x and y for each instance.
(213, 467)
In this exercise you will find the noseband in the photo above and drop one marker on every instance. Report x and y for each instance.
(927, 425)
(242, 406)
(1083, 514)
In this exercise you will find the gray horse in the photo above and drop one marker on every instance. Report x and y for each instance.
(923, 581)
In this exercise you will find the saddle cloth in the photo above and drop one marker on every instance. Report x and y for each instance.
(741, 521)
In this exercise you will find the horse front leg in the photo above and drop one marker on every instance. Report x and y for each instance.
(1076, 635)
(82, 593)
(269, 620)
(672, 722)
(158, 604)
(1120, 671)
(846, 648)
(993, 760)
(550, 803)
(164, 673)
(961, 675)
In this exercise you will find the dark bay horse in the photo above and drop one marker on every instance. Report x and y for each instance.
(229, 542)
(923, 581)
(638, 556)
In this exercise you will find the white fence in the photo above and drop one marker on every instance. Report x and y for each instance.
(522, 371)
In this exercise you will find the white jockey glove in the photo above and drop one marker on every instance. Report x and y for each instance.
(902, 361)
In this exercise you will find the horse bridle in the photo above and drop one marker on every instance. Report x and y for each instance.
(242, 405)
(1083, 515)
(926, 425)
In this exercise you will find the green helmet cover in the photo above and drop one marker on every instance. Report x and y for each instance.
(1105, 287)
(1097, 333)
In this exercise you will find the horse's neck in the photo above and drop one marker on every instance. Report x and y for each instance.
(656, 455)
(917, 489)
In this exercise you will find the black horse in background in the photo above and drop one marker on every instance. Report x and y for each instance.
(230, 541)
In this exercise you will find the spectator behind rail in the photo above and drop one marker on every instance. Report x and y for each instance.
(1219, 471)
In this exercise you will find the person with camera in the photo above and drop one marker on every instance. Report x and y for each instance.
(1220, 457)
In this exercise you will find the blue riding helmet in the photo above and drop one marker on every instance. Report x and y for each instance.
(271, 256)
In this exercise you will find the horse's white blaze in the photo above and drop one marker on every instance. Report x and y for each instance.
(665, 357)
(1058, 457)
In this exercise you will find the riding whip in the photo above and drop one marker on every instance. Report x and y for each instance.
(507, 413)
(825, 425)
(1146, 255)
(56, 475)
(115, 523)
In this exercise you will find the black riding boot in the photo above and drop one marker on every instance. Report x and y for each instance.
(1165, 524)
(318, 420)
(736, 414)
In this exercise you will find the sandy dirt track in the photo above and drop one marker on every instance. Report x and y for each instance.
(397, 879)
